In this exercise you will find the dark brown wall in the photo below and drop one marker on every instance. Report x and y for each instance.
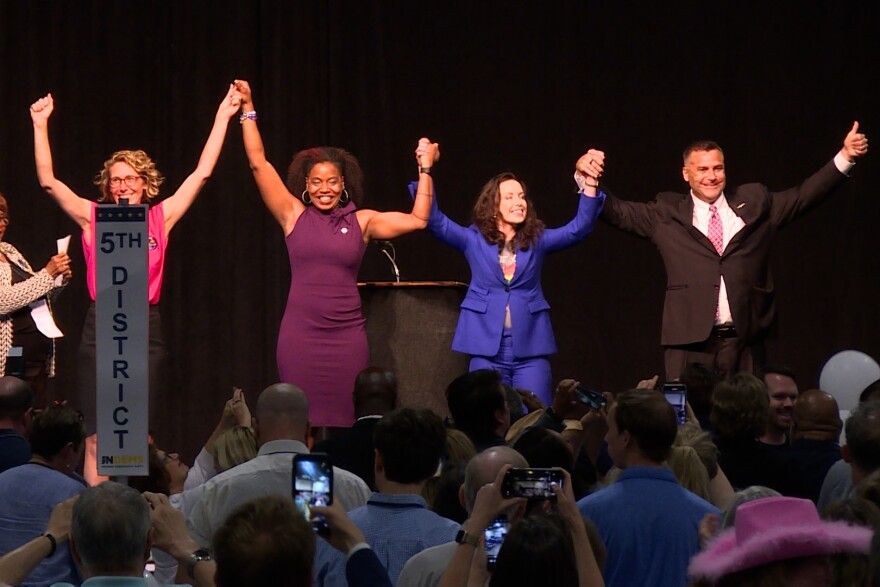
(501, 85)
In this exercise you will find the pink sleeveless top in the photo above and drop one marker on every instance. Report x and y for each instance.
(156, 244)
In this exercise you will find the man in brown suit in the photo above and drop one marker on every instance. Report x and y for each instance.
(715, 247)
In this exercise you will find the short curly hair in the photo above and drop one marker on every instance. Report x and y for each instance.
(740, 407)
(140, 162)
(348, 165)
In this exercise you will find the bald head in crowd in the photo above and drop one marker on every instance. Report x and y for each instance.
(16, 398)
(816, 416)
(282, 413)
(483, 469)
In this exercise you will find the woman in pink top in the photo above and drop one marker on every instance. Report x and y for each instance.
(132, 175)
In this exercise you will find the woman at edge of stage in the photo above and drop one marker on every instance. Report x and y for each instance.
(21, 286)
(130, 174)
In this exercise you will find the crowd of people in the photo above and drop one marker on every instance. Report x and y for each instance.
(639, 499)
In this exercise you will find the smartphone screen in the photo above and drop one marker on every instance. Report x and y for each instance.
(676, 395)
(590, 397)
(531, 483)
(493, 538)
(312, 485)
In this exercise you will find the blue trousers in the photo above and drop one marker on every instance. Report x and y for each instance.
(531, 373)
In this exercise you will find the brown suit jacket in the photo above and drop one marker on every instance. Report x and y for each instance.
(694, 268)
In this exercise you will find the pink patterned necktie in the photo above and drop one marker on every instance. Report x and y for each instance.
(716, 233)
(716, 237)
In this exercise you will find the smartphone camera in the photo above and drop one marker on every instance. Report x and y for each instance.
(532, 484)
(312, 486)
(676, 395)
(493, 538)
(590, 397)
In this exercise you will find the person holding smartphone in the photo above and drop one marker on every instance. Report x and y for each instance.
(266, 541)
(396, 520)
(541, 549)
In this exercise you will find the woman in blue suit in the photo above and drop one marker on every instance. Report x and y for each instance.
(505, 320)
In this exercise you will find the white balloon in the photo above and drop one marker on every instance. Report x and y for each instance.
(846, 375)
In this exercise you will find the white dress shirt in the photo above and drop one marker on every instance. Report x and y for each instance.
(269, 473)
(730, 225)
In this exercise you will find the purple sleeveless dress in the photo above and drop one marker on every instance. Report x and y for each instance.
(322, 342)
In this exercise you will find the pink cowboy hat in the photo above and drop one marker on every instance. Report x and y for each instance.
(774, 529)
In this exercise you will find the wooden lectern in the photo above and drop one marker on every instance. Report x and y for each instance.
(410, 326)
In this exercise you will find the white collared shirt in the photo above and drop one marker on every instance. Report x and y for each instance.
(207, 506)
(730, 225)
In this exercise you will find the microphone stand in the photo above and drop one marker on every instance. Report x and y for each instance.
(384, 247)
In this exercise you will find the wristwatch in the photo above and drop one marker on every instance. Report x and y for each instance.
(425, 170)
(202, 554)
(464, 538)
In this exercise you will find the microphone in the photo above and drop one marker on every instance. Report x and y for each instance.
(387, 249)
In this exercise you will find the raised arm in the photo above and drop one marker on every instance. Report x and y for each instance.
(169, 533)
(855, 144)
(789, 204)
(79, 209)
(588, 169)
(589, 573)
(635, 217)
(176, 206)
(17, 564)
(386, 225)
(281, 203)
(441, 226)
(488, 504)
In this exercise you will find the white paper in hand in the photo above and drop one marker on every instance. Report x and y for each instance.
(62, 243)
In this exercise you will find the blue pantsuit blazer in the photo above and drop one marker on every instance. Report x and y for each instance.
(482, 312)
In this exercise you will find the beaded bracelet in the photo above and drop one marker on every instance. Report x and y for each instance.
(252, 115)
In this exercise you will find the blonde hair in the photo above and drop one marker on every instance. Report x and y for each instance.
(692, 435)
(140, 162)
(459, 451)
(689, 470)
(459, 448)
(235, 446)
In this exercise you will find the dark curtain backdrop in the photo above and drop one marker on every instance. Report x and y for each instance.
(522, 86)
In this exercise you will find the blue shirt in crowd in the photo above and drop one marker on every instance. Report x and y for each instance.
(649, 524)
(14, 449)
(396, 527)
(28, 493)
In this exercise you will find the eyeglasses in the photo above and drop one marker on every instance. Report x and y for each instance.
(129, 180)
(333, 183)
